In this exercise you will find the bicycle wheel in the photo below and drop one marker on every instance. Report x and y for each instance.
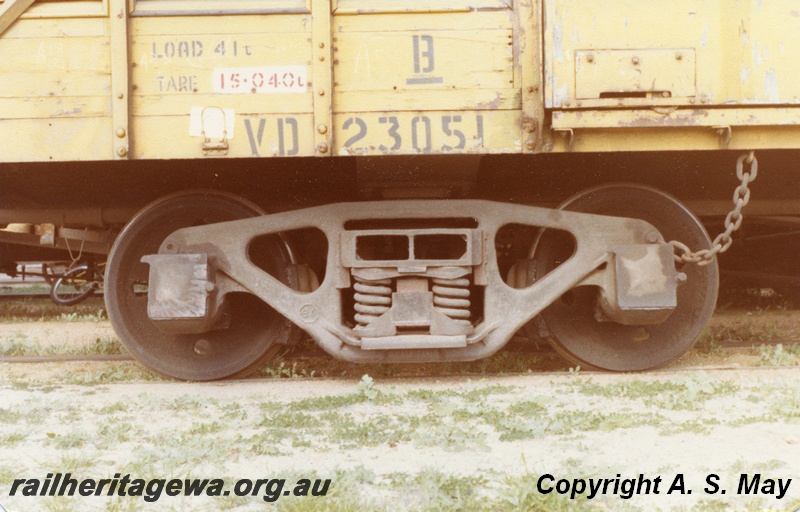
(75, 285)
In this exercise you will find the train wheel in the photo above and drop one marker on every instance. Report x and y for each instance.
(253, 331)
(570, 321)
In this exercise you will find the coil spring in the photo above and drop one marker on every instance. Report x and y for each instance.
(373, 298)
(451, 297)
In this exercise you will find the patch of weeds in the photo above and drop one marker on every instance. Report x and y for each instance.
(113, 372)
(68, 441)
(37, 310)
(746, 332)
(749, 420)
(349, 433)
(103, 346)
(199, 429)
(520, 494)
(332, 502)
(514, 428)
(233, 412)
(343, 494)
(60, 504)
(324, 403)
(451, 436)
(778, 355)
(123, 504)
(694, 426)
(710, 342)
(232, 502)
(430, 395)
(16, 348)
(71, 463)
(711, 506)
(8, 473)
(9, 415)
(787, 405)
(481, 393)
(288, 420)
(567, 422)
(115, 433)
(693, 392)
(112, 408)
(11, 439)
(441, 491)
(99, 315)
(366, 387)
(634, 389)
(266, 443)
(26, 348)
(282, 371)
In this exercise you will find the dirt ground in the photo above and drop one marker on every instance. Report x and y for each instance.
(456, 442)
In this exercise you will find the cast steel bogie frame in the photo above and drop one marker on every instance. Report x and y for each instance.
(320, 312)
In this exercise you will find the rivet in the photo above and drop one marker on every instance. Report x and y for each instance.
(120, 96)
(635, 61)
(322, 58)
(678, 56)
(322, 45)
(590, 58)
(122, 151)
(121, 132)
(530, 145)
(322, 147)
(321, 92)
(651, 237)
(681, 278)
(322, 129)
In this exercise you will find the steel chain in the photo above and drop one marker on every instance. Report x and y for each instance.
(733, 221)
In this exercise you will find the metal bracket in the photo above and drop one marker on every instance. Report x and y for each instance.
(214, 147)
(569, 134)
(725, 133)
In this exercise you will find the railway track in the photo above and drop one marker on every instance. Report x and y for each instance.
(311, 357)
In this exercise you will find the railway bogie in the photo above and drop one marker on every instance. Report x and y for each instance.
(405, 183)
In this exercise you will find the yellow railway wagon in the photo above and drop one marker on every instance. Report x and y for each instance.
(404, 182)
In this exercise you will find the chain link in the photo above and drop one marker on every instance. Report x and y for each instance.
(733, 221)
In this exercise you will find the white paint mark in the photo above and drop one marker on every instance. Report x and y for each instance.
(214, 121)
(744, 74)
(771, 92)
(644, 281)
